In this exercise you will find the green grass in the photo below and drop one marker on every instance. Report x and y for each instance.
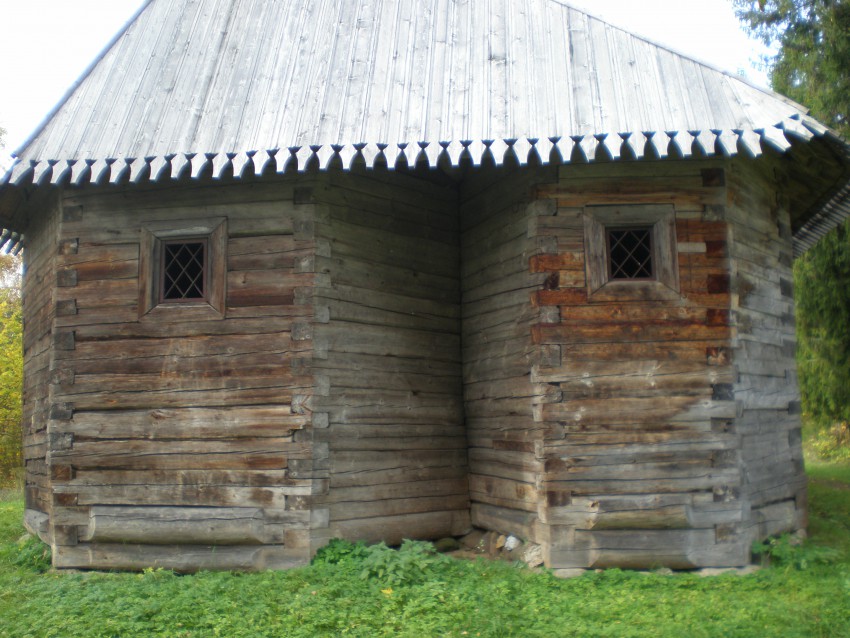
(355, 591)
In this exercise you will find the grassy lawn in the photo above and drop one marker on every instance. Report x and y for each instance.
(358, 592)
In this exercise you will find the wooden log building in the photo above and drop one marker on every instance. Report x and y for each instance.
(385, 269)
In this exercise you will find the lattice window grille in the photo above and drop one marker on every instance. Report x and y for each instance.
(184, 271)
(630, 253)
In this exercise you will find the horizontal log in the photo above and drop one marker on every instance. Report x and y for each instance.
(182, 525)
(260, 394)
(400, 442)
(350, 464)
(384, 303)
(395, 528)
(180, 558)
(256, 376)
(266, 253)
(344, 379)
(503, 488)
(604, 332)
(700, 351)
(405, 474)
(670, 517)
(674, 469)
(452, 486)
(638, 410)
(247, 454)
(128, 350)
(402, 244)
(381, 341)
(361, 404)
(125, 372)
(707, 481)
(101, 293)
(404, 367)
(390, 279)
(360, 312)
(398, 506)
(641, 441)
(178, 328)
(592, 371)
(182, 495)
(188, 478)
(104, 262)
(265, 287)
(614, 313)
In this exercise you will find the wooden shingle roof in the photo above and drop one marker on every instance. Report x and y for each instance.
(216, 85)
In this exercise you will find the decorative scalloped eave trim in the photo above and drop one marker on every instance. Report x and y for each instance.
(586, 148)
(10, 241)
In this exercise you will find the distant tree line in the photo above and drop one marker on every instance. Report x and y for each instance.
(11, 370)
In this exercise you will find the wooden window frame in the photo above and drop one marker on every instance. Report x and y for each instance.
(661, 220)
(154, 237)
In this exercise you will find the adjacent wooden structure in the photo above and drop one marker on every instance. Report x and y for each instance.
(407, 346)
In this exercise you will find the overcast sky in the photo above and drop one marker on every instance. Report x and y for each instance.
(48, 44)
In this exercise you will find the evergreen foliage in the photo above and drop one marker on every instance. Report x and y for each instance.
(822, 282)
(812, 66)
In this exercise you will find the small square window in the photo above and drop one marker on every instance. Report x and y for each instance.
(184, 271)
(630, 253)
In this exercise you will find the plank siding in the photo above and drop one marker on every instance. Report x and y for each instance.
(169, 420)
(389, 358)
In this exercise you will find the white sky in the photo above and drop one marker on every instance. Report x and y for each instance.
(48, 44)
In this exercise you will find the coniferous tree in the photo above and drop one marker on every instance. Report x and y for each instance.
(812, 38)
(812, 66)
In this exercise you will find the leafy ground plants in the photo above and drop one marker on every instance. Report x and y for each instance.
(355, 590)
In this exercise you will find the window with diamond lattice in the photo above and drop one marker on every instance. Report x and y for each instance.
(184, 271)
(630, 253)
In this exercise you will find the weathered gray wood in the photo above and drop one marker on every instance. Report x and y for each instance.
(394, 529)
(180, 558)
(186, 525)
(189, 423)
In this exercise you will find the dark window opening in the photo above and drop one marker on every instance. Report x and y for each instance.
(184, 271)
(630, 253)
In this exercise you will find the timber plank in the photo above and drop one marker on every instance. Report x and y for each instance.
(185, 423)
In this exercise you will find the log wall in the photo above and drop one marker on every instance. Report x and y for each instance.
(179, 439)
(773, 488)
(39, 312)
(401, 354)
(640, 456)
(499, 214)
(387, 358)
